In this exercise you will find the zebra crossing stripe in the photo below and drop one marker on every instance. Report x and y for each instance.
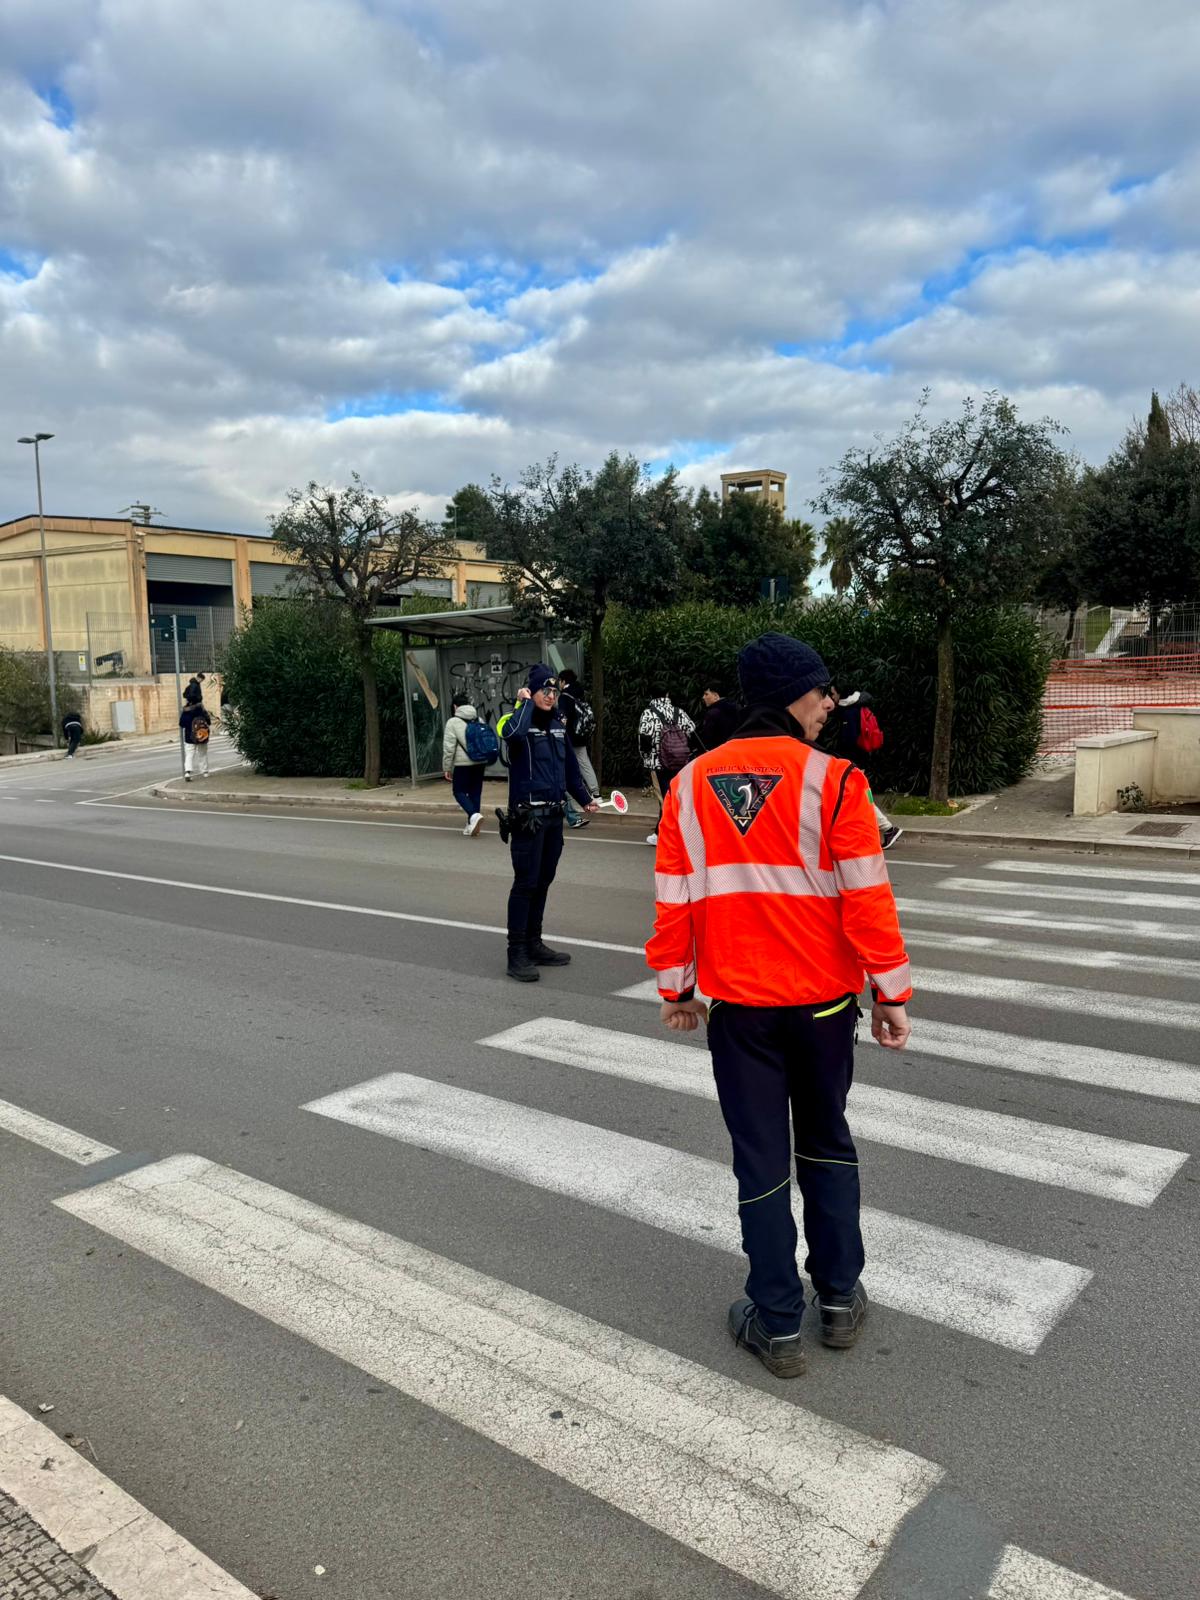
(1020, 1575)
(52, 1135)
(989, 1290)
(1144, 900)
(1047, 1058)
(1067, 1158)
(1180, 968)
(1018, 992)
(780, 1496)
(1122, 874)
(1019, 918)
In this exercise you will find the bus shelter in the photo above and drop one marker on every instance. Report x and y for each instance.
(482, 653)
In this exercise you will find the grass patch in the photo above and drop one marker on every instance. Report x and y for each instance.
(918, 805)
(357, 783)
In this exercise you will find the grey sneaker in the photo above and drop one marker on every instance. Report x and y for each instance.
(842, 1319)
(780, 1354)
(891, 836)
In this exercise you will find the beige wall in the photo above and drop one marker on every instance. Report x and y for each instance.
(1107, 762)
(1176, 752)
(156, 704)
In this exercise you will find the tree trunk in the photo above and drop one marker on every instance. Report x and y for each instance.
(1070, 638)
(943, 720)
(597, 652)
(1154, 616)
(370, 684)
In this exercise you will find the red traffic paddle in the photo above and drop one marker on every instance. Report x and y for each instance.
(617, 801)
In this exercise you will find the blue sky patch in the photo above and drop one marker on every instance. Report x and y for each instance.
(58, 103)
(687, 453)
(387, 404)
(22, 264)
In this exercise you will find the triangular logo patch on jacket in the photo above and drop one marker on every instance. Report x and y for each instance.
(743, 794)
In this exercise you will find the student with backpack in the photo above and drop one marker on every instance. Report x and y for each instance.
(859, 735)
(581, 724)
(468, 748)
(196, 723)
(665, 735)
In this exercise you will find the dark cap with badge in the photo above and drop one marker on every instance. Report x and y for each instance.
(541, 677)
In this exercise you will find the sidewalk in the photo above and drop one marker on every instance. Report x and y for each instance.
(1033, 814)
(67, 1530)
(92, 752)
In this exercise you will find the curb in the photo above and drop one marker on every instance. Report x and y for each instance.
(1042, 841)
(1010, 841)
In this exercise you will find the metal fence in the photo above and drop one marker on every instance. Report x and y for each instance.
(203, 633)
(1104, 631)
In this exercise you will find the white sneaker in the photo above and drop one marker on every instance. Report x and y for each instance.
(475, 824)
(651, 838)
(467, 831)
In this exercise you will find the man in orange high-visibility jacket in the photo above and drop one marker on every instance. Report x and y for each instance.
(773, 899)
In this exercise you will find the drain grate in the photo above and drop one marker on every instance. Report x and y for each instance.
(1159, 830)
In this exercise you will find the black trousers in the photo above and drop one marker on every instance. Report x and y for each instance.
(769, 1061)
(535, 861)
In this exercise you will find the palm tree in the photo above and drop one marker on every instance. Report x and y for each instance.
(839, 543)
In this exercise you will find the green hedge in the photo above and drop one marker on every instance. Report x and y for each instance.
(295, 693)
(296, 697)
(1001, 671)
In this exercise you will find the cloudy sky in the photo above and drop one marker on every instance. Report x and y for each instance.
(248, 242)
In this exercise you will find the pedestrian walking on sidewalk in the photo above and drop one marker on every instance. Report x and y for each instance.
(542, 771)
(718, 721)
(469, 747)
(581, 724)
(72, 727)
(772, 899)
(193, 690)
(859, 735)
(197, 730)
(665, 735)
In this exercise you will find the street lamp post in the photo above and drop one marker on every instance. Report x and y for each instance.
(37, 440)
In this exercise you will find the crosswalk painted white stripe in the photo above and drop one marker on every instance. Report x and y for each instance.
(782, 1497)
(1181, 968)
(1018, 992)
(989, 1290)
(1022, 1576)
(1067, 1158)
(52, 1135)
(1143, 900)
(1125, 873)
(1111, 929)
(1047, 1058)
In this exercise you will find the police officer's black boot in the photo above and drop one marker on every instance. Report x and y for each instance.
(520, 963)
(542, 954)
(779, 1353)
(842, 1319)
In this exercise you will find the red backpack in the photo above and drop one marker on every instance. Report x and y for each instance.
(870, 734)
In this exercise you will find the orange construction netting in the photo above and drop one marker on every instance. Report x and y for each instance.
(1100, 695)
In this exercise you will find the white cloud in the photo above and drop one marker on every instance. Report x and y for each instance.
(586, 227)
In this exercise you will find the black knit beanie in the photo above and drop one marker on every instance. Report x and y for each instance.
(776, 670)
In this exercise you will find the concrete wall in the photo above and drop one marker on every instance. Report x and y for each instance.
(156, 705)
(1107, 762)
(1176, 752)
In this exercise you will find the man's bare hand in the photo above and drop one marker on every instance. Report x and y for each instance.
(683, 1016)
(524, 694)
(890, 1026)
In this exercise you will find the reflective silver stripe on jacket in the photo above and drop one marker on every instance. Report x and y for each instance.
(861, 872)
(897, 981)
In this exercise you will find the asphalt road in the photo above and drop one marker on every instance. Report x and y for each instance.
(293, 1387)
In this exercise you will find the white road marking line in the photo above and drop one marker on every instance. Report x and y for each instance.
(989, 1290)
(1023, 1576)
(124, 1547)
(299, 815)
(1105, 1069)
(1177, 967)
(1041, 1152)
(1118, 874)
(296, 900)
(1113, 929)
(1088, 894)
(1017, 992)
(40, 802)
(52, 1135)
(775, 1493)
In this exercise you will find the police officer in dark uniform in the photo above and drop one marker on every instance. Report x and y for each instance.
(542, 771)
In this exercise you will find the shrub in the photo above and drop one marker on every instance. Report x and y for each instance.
(25, 694)
(295, 693)
(890, 651)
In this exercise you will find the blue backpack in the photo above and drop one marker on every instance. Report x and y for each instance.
(480, 742)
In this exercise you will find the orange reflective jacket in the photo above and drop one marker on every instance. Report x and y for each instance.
(770, 882)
